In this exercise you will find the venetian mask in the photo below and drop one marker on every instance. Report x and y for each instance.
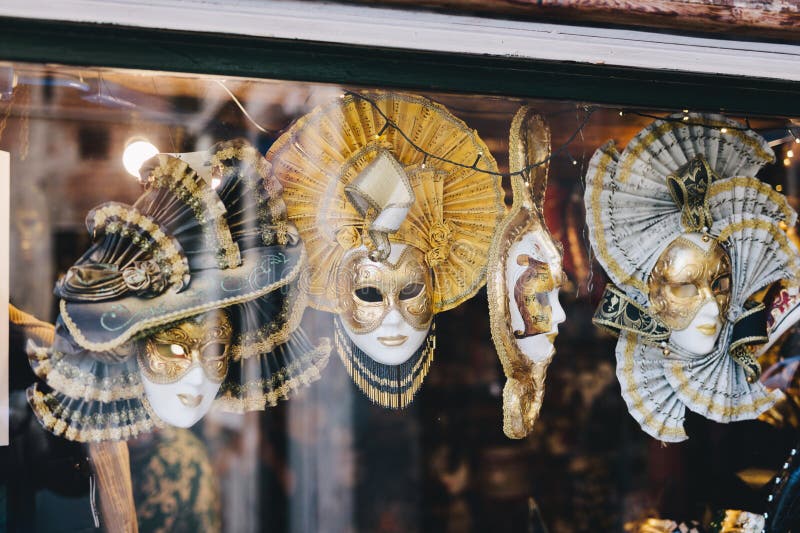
(386, 307)
(689, 290)
(533, 277)
(183, 366)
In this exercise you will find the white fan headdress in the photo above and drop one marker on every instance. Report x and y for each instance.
(675, 177)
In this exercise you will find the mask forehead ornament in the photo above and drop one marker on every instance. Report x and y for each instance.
(688, 236)
(394, 236)
(525, 274)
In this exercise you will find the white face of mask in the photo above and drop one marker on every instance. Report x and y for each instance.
(394, 340)
(182, 367)
(701, 335)
(185, 402)
(690, 288)
(531, 255)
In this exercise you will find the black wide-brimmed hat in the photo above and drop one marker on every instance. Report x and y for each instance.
(183, 248)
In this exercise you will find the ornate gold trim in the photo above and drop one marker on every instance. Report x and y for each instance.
(654, 134)
(168, 254)
(601, 246)
(636, 405)
(253, 343)
(723, 412)
(779, 235)
(362, 376)
(728, 184)
(348, 128)
(183, 181)
(252, 396)
(62, 422)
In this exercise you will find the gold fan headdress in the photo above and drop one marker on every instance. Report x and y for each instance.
(455, 196)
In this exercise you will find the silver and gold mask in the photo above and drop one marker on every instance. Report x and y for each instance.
(685, 278)
(369, 290)
(202, 341)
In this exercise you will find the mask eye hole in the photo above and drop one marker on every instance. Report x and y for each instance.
(411, 290)
(215, 350)
(170, 350)
(369, 294)
(683, 290)
(721, 285)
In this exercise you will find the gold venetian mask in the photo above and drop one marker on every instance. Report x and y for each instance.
(369, 290)
(200, 341)
(686, 277)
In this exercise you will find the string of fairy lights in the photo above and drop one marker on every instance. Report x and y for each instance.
(588, 111)
(685, 119)
(789, 154)
(791, 137)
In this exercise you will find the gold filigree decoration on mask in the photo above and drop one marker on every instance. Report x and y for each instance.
(685, 278)
(689, 190)
(368, 290)
(201, 341)
(440, 237)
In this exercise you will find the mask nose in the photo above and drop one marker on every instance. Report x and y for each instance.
(194, 377)
(393, 319)
(710, 309)
(559, 315)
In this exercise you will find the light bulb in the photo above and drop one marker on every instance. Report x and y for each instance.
(135, 154)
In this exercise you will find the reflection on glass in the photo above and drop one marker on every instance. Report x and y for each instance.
(330, 460)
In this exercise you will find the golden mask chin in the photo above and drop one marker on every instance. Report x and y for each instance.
(690, 272)
(368, 290)
(200, 341)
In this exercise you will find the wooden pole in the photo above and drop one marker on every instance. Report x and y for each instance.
(110, 460)
(111, 464)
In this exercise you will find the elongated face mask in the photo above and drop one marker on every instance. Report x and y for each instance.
(386, 307)
(182, 367)
(686, 277)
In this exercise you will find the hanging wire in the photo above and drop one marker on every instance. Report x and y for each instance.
(683, 120)
(391, 124)
(589, 282)
(241, 107)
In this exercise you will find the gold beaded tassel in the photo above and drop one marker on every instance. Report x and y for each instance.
(393, 387)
